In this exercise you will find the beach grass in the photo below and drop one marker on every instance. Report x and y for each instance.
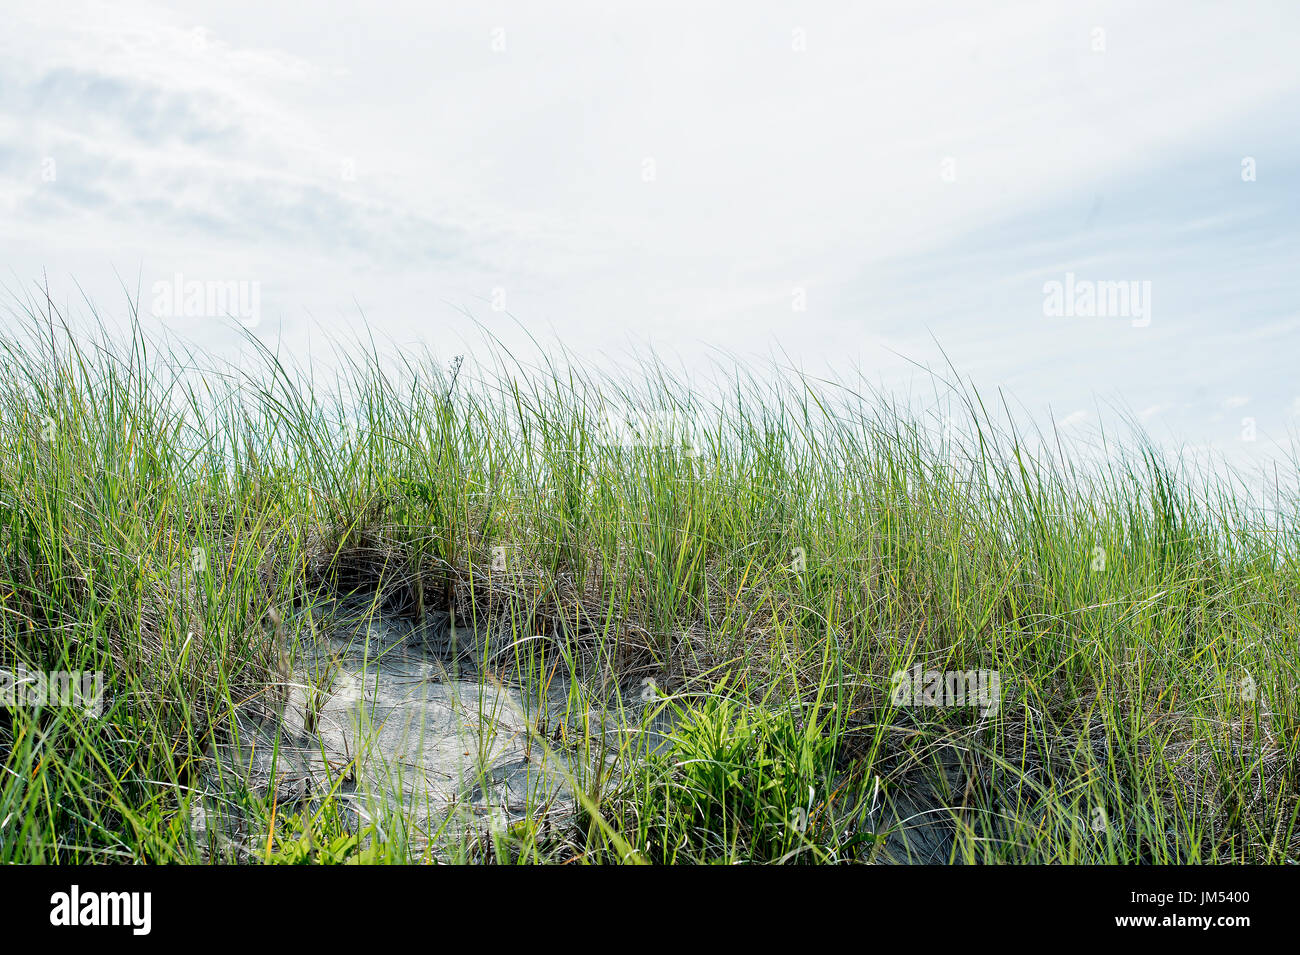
(878, 632)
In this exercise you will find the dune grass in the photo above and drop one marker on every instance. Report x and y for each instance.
(758, 559)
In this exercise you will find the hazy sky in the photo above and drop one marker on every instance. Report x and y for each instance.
(847, 182)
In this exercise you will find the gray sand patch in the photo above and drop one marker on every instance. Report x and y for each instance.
(392, 716)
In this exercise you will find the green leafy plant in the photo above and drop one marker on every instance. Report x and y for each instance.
(737, 778)
(321, 837)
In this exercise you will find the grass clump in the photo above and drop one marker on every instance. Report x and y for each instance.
(771, 550)
(739, 781)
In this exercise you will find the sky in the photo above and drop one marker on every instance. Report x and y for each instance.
(855, 187)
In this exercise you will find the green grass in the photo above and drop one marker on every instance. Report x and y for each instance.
(163, 517)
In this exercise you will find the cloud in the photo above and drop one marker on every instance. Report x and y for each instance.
(160, 130)
(1155, 410)
(1074, 419)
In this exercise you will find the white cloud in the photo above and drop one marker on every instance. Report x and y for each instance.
(1074, 419)
(1155, 410)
